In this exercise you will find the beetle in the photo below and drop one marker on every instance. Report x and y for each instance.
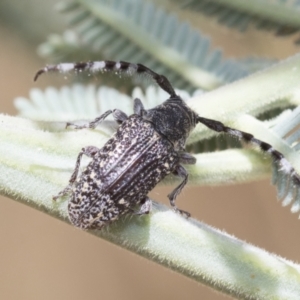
(147, 146)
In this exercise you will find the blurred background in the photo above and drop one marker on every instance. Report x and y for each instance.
(43, 258)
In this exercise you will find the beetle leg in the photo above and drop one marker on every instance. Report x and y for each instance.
(145, 207)
(181, 172)
(187, 158)
(119, 116)
(89, 151)
(138, 107)
(91, 124)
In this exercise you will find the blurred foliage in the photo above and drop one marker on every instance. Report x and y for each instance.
(158, 35)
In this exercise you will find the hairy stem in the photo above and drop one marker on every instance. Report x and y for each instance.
(34, 165)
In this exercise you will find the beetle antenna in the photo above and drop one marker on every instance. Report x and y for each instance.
(119, 67)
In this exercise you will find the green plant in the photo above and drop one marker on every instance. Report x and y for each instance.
(124, 30)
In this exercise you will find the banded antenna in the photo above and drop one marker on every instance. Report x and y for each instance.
(120, 67)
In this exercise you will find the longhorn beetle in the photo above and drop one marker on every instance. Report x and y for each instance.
(147, 146)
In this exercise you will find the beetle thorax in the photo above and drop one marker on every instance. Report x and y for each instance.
(174, 120)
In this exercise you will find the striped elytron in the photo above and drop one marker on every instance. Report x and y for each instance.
(148, 145)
